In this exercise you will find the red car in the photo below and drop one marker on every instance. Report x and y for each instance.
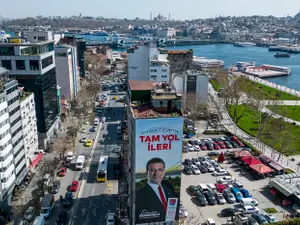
(240, 143)
(234, 138)
(74, 186)
(62, 172)
(221, 144)
(220, 187)
(203, 147)
(216, 146)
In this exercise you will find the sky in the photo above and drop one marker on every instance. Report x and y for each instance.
(130, 9)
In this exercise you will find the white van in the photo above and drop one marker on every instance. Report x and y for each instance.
(80, 162)
(203, 187)
(212, 187)
(248, 201)
(96, 121)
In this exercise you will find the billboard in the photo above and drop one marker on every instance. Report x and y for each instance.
(158, 149)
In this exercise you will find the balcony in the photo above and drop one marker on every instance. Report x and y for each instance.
(8, 171)
(9, 182)
(18, 146)
(4, 140)
(19, 156)
(4, 117)
(16, 126)
(4, 128)
(5, 150)
(20, 166)
(17, 136)
(7, 161)
(3, 105)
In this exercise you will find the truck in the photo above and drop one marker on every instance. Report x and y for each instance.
(39, 220)
(47, 205)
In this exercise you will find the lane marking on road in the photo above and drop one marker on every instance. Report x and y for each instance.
(93, 191)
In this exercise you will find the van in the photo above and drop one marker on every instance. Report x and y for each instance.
(96, 121)
(80, 162)
(203, 187)
(248, 201)
(237, 194)
(210, 221)
(212, 188)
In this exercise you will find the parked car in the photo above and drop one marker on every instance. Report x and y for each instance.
(196, 161)
(29, 214)
(250, 209)
(234, 138)
(252, 221)
(209, 146)
(210, 197)
(195, 169)
(229, 196)
(202, 169)
(55, 187)
(62, 218)
(259, 218)
(221, 144)
(270, 218)
(228, 212)
(93, 129)
(83, 140)
(188, 162)
(238, 185)
(234, 144)
(187, 170)
(240, 143)
(220, 187)
(216, 146)
(221, 172)
(62, 172)
(245, 193)
(201, 198)
(110, 219)
(203, 146)
(192, 189)
(74, 186)
(196, 148)
(68, 200)
(209, 167)
(225, 180)
(237, 194)
(228, 144)
(220, 198)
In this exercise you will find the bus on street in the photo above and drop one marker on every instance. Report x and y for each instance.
(102, 169)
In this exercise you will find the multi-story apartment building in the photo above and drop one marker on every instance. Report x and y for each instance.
(29, 126)
(193, 85)
(67, 74)
(148, 63)
(32, 65)
(155, 130)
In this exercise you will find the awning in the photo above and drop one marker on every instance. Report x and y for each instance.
(265, 158)
(241, 154)
(261, 168)
(251, 160)
(36, 160)
(276, 166)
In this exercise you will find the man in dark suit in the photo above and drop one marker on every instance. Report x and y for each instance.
(151, 200)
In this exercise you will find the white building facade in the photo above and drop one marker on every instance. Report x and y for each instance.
(193, 85)
(146, 63)
(29, 126)
(67, 73)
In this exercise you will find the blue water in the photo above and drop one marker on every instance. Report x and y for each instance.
(231, 55)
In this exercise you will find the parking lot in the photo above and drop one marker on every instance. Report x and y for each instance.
(198, 214)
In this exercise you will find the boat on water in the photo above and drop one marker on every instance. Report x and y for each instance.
(284, 70)
(203, 62)
(282, 55)
(244, 44)
(242, 66)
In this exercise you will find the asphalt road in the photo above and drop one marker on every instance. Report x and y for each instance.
(94, 200)
(97, 199)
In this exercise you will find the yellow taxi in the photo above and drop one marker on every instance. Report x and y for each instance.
(88, 143)
(115, 98)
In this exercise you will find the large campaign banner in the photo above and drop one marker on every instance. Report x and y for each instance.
(158, 150)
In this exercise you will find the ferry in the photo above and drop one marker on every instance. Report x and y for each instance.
(284, 70)
(282, 55)
(203, 62)
(242, 66)
(244, 44)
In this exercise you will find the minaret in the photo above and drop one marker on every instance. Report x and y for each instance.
(169, 18)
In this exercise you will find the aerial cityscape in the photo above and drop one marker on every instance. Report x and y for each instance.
(157, 119)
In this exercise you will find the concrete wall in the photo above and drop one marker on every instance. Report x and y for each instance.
(138, 64)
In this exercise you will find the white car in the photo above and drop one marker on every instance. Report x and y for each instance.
(191, 149)
(220, 198)
(250, 209)
(110, 219)
(182, 212)
(70, 156)
(83, 140)
(197, 148)
(221, 172)
(210, 167)
(225, 179)
(195, 169)
(270, 218)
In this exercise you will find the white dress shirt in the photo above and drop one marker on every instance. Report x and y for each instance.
(155, 189)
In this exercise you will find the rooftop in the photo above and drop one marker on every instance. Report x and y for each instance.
(146, 110)
(26, 43)
(178, 51)
(137, 85)
(24, 95)
(288, 183)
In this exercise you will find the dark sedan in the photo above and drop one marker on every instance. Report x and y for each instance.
(201, 199)
(192, 189)
(187, 170)
(210, 197)
(228, 212)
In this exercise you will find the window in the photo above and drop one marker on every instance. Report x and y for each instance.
(47, 62)
(7, 50)
(6, 64)
(153, 70)
(42, 38)
(164, 70)
(20, 64)
(34, 65)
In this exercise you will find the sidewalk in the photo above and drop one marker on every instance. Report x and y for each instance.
(231, 126)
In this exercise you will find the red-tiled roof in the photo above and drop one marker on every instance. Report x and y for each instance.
(137, 85)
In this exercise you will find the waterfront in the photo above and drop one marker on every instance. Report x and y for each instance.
(231, 55)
